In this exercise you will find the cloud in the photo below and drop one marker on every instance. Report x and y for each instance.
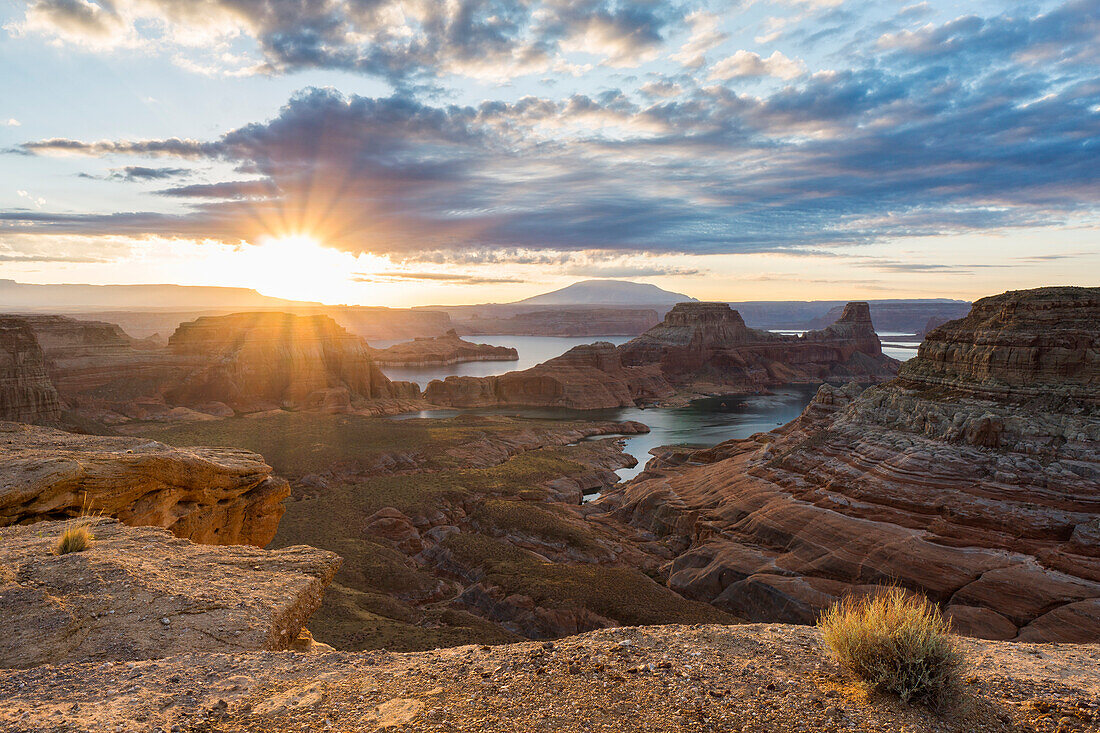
(401, 41)
(452, 278)
(11, 122)
(747, 65)
(930, 143)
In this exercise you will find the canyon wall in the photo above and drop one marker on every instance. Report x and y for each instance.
(26, 393)
(698, 348)
(974, 477)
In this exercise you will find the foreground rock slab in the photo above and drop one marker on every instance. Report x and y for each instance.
(140, 593)
(218, 496)
(749, 679)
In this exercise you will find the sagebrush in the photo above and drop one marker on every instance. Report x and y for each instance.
(898, 643)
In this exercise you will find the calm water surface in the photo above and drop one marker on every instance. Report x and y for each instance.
(704, 422)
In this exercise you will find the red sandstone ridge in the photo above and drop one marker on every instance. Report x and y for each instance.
(26, 393)
(254, 361)
(974, 477)
(698, 348)
(441, 350)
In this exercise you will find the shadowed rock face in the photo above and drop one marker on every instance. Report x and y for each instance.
(265, 360)
(699, 347)
(949, 480)
(140, 593)
(26, 393)
(219, 496)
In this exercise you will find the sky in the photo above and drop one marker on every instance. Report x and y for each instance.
(405, 152)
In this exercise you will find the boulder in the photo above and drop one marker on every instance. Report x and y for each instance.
(219, 496)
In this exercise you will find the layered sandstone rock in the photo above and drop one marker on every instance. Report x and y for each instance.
(974, 477)
(210, 495)
(26, 393)
(440, 351)
(698, 348)
(140, 593)
(586, 377)
(254, 361)
(708, 344)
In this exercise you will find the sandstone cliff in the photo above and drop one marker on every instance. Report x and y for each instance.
(210, 495)
(139, 593)
(441, 350)
(255, 361)
(26, 393)
(973, 477)
(698, 348)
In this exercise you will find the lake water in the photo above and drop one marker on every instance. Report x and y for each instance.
(704, 422)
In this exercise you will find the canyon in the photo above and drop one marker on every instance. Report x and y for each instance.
(972, 477)
(699, 348)
(26, 392)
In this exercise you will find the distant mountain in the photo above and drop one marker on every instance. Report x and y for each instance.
(16, 296)
(607, 292)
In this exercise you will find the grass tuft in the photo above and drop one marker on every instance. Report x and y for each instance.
(896, 643)
(75, 538)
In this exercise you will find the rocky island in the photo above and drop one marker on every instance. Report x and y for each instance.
(440, 351)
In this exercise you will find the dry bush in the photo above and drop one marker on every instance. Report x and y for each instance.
(896, 643)
(75, 538)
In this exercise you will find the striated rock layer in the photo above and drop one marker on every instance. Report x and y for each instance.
(974, 477)
(698, 348)
(219, 496)
(26, 393)
(441, 350)
(139, 593)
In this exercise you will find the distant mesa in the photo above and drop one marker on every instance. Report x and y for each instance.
(607, 292)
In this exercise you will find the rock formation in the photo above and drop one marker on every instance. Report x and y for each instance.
(586, 377)
(26, 393)
(139, 593)
(901, 316)
(698, 348)
(441, 350)
(973, 477)
(668, 679)
(217, 496)
(254, 361)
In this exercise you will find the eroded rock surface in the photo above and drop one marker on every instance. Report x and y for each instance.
(973, 477)
(667, 679)
(26, 393)
(209, 495)
(140, 593)
(698, 348)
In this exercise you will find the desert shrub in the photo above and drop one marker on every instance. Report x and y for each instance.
(75, 538)
(896, 643)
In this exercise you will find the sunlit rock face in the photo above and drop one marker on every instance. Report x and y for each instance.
(441, 350)
(26, 393)
(974, 477)
(253, 361)
(220, 496)
(708, 344)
